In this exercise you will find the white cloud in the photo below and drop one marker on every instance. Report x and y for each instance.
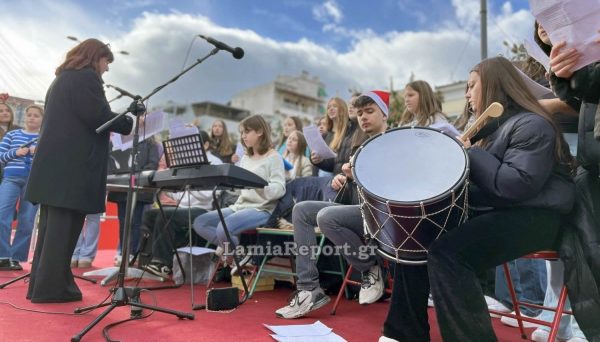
(328, 12)
(158, 42)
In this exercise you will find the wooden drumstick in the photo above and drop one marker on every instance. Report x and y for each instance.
(493, 111)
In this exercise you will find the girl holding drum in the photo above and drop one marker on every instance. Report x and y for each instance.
(520, 169)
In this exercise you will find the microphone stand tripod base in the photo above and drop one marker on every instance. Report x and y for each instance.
(124, 296)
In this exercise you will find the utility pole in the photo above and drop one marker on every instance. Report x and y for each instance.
(483, 16)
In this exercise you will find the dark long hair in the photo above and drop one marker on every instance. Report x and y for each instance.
(533, 68)
(85, 55)
(501, 82)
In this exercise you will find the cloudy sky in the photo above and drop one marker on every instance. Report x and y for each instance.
(347, 43)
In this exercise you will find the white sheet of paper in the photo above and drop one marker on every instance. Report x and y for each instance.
(446, 128)
(574, 21)
(239, 151)
(316, 143)
(331, 337)
(297, 330)
(178, 129)
(196, 250)
(153, 125)
(115, 139)
(536, 52)
(535, 88)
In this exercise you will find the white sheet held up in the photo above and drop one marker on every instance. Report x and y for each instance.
(316, 143)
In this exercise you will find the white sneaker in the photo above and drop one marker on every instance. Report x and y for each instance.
(577, 339)
(512, 322)
(494, 304)
(246, 261)
(541, 335)
(371, 287)
(386, 339)
(302, 302)
(430, 301)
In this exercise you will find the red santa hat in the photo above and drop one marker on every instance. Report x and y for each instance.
(381, 98)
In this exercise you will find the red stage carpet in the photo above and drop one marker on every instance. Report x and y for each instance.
(353, 321)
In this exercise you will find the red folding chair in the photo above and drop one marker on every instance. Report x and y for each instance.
(558, 311)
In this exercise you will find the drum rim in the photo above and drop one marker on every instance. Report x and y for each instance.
(462, 181)
(398, 260)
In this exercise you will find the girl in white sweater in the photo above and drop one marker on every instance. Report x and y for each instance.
(254, 206)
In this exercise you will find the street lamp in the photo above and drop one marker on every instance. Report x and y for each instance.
(79, 41)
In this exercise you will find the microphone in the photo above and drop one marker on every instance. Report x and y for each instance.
(237, 52)
(122, 91)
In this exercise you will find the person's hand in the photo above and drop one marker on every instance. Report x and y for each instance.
(338, 181)
(464, 140)
(23, 151)
(235, 158)
(347, 170)
(32, 149)
(315, 158)
(563, 62)
(137, 108)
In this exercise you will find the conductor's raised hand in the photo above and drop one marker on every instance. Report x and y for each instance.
(137, 108)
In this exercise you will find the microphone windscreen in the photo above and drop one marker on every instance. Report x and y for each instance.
(238, 53)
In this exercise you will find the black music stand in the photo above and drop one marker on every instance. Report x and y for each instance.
(185, 152)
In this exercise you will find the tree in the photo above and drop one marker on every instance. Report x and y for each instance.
(516, 52)
(396, 107)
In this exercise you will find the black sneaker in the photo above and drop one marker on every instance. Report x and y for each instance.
(15, 265)
(5, 264)
(158, 269)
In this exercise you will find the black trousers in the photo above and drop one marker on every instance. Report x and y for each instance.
(51, 277)
(482, 242)
(162, 251)
(407, 316)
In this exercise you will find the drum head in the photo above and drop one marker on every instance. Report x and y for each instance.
(410, 164)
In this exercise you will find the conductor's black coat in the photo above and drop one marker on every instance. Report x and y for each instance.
(70, 163)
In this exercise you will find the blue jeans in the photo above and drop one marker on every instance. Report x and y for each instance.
(529, 280)
(209, 226)
(12, 189)
(568, 325)
(87, 244)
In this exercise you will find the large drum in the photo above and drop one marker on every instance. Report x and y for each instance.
(412, 184)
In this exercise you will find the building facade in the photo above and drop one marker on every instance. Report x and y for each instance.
(302, 96)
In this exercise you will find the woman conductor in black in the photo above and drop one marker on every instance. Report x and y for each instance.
(68, 174)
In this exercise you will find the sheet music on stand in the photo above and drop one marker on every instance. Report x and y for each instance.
(185, 151)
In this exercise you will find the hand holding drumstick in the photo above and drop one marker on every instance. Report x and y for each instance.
(493, 111)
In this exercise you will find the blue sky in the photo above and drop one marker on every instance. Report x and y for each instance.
(347, 44)
(291, 20)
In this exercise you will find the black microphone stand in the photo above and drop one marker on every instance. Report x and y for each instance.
(121, 295)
